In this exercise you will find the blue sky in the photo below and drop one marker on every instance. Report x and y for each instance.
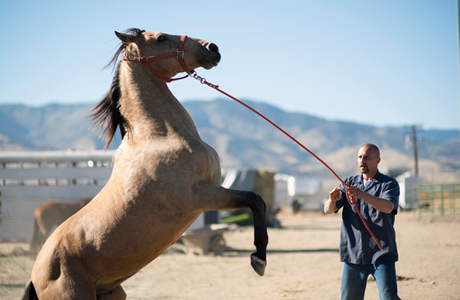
(376, 62)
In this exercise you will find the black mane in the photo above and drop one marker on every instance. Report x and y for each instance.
(107, 113)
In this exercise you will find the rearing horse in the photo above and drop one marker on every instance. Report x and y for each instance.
(164, 177)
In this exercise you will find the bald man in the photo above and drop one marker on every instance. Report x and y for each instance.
(377, 197)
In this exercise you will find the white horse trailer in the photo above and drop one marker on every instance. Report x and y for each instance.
(28, 179)
(408, 197)
(306, 190)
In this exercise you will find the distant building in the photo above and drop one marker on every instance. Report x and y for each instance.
(408, 185)
(306, 190)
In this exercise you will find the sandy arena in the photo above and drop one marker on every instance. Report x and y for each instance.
(303, 263)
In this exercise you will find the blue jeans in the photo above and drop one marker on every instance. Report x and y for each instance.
(354, 280)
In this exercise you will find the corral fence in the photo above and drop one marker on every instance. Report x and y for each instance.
(28, 179)
(438, 199)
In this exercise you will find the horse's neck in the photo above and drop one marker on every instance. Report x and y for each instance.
(150, 108)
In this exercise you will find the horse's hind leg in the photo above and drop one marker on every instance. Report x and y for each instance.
(118, 294)
(30, 293)
(37, 238)
(219, 198)
(34, 244)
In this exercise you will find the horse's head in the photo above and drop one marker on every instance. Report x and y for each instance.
(165, 52)
(165, 55)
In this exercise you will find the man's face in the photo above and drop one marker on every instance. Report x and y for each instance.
(368, 160)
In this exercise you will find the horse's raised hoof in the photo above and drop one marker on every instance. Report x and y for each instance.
(258, 265)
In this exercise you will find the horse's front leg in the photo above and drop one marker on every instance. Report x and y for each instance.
(219, 198)
(258, 208)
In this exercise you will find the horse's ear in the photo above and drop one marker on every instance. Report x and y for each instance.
(126, 38)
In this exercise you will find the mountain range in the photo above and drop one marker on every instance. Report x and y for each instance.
(243, 139)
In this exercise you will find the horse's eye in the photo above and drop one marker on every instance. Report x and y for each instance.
(161, 38)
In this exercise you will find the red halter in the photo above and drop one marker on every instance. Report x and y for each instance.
(179, 54)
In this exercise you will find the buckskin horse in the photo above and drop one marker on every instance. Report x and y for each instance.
(164, 177)
(49, 215)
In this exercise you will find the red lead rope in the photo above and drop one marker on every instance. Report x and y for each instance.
(179, 54)
(350, 199)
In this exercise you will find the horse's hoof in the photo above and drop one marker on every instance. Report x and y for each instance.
(258, 264)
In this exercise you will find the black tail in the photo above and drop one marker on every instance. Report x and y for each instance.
(29, 293)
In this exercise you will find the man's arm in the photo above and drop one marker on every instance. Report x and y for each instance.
(334, 196)
(380, 204)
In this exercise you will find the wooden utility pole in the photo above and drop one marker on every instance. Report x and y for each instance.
(414, 142)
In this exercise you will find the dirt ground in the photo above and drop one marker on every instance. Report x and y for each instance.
(303, 263)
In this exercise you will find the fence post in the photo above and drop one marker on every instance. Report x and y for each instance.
(419, 191)
(442, 200)
(454, 191)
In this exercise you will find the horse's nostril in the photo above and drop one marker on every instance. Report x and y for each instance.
(213, 47)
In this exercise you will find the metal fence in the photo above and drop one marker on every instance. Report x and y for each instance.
(438, 199)
(28, 179)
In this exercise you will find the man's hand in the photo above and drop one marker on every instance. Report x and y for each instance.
(334, 196)
(354, 192)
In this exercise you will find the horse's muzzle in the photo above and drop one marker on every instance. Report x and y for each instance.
(213, 48)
